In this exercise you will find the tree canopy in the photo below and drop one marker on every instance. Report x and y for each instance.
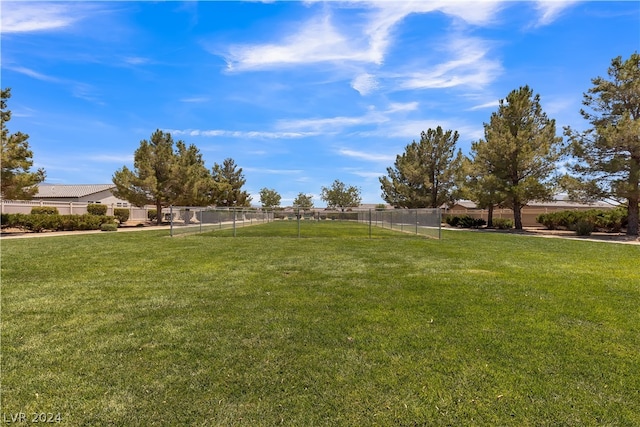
(269, 198)
(424, 175)
(608, 153)
(519, 153)
(163, 175)
(303, 201)
(341, 196)
(228, 182)
(17, 181)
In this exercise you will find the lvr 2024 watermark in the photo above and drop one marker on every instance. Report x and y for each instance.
(31, 418)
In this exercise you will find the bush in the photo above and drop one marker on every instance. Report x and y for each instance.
(110, 226)
(152, 214)
(452, 220)
(464, 221)
(4, 220)
(96, 209)
(502, 223)
(44, 210)
(612, 220)
(41, 222)
(121, 214)
(584, 228)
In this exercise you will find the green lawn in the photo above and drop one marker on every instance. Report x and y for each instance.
(488, 329)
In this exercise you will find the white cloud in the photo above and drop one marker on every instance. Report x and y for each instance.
(195, 99)
(274, 171)
(318, 41)
(469, 66)
(550, 10)
(362, 155)
(365, 83)
(367, 41)
(19, 17)
(397, 106)
(239, 134)
(34, 74)
(490, 104)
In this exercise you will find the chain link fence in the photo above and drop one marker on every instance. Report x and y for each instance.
(302, 223)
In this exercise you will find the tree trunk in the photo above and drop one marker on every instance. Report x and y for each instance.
(159, 211)
(632, 225)
(490, 217)
(517, 216)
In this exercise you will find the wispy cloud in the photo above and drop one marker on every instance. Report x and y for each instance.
(21, 17)
(35, 74)
(363, 155)
(365, 83)
(274, 171)
(318, 41)
(550, 10)
(240, 134)
(490, 104)
(107, 158)
(367, 41)
(470, 66)
(196, 99)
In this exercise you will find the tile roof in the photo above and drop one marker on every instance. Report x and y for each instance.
(70, 191)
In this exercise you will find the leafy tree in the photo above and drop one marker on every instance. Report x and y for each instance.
(269, 198)
(424, 175)
(228, 182)
(341, 196)
(608, 154)
(303, 201)
(520, 151)
(17, 182)
(162, 176)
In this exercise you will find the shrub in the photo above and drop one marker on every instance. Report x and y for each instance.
(612, 220)
(464, 221)
(502, 223)
(452, 220)
(44, 210)
(152, 214)
(109, 226)
(4, 220)
(121, 214)
(96, 209)
(584, 228)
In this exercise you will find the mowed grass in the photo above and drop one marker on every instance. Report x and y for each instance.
(475, 329)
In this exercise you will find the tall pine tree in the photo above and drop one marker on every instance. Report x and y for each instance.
(17, 181)
(424, 176)
(520, 151)
(608, 154)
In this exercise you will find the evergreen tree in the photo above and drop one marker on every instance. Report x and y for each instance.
(17, 181)
(608, 154)
(424, 175)
(520, 151)
(228, 182)
(192, 180)
(164, 177)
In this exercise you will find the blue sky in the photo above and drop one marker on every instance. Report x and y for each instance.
(297, 93)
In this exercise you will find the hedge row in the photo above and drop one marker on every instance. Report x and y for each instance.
(53, 222)
(583, 222)
(464, 221)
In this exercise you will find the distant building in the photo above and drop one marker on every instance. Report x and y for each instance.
(82, 193)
